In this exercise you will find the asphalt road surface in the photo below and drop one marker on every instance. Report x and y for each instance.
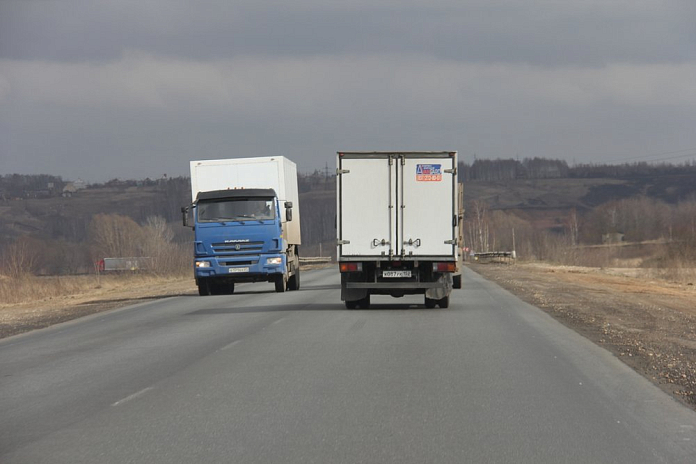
(296, 378)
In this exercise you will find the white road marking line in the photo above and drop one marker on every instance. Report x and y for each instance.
(229, 345)
(133, 396)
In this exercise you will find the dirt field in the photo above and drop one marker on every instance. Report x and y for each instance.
(650, 325)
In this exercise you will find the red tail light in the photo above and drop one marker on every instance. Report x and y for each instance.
(444, 267)
(350, 267)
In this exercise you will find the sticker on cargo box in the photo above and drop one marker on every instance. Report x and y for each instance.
(428, 172)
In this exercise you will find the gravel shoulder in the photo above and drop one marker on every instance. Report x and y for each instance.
(650, 325)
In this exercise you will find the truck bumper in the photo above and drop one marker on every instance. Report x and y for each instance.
(246, 269)
(355, 290)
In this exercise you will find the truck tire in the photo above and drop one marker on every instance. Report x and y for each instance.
(281, 283)
(443, 302)
(457, 281)
(203, 288)
(430, 303)
(230, 288)
(294, 281)
(365, 302)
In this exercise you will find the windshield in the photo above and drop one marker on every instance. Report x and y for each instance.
(246, 209)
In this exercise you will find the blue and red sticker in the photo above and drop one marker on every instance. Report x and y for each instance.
(428, 172)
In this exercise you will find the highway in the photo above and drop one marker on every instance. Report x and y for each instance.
(262, 377)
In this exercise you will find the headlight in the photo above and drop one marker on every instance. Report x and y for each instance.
(274, 261)
(202, 264)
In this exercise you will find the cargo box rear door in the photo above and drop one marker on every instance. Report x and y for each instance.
(427, 214)
(366, 205)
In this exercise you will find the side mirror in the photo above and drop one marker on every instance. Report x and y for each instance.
(184, 216)
(288, 211)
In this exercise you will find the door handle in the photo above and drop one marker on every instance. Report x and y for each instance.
(377, 242)
(416, 243)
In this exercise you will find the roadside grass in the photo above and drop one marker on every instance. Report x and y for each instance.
(657, 260)
(28, 288)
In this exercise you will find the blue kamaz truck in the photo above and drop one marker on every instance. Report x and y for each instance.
(246, 222)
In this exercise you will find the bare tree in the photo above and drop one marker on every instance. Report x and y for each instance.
(20, 258)
(113, 235)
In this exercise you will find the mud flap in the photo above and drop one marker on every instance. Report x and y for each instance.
(445, 288)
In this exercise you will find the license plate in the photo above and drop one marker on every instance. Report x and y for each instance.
(396, 274)
(238, 269)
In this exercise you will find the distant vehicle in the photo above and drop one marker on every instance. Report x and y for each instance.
(135, 263)
(246, 219)
(398, 225)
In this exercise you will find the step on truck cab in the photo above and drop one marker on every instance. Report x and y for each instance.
(246, 220)
(398, 225)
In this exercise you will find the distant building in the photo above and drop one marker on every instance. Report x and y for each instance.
(72, 187)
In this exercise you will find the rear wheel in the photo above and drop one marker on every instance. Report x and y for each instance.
(281, 283)
(443, 302)
(364, 303)
(430, 303)
(352, 304)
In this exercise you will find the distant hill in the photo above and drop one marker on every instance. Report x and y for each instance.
(48, 209)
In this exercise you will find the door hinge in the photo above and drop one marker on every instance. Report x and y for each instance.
(451, 242)
(451, 171)
(342, 171)
(342, 242)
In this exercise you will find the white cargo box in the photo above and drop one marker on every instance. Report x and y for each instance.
(276, 172)
(397, 205)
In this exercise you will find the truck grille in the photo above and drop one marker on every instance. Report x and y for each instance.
(239, 263)
(240, 248)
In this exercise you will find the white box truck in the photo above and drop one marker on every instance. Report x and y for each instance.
(246, 219)
(397, 225)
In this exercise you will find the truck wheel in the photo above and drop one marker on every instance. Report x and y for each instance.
(294, 281)
(364, 303)
(352, 304)
(443, 302)
(203, 288)
(430, 303)
(281, 282)
(230, 288)
(457, 281)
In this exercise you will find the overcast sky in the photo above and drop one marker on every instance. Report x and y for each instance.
(102, 89)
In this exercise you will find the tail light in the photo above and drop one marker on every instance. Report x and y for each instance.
(350, 267)
(444, 267)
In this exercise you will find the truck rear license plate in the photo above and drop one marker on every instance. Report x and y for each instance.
(396, 274)
(238, 269)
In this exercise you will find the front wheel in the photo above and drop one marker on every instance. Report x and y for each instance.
(457, 281)
(203, 288)
(294, 282)
(281, 283)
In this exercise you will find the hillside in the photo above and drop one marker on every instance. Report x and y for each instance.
(62, 222)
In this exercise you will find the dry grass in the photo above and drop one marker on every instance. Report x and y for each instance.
(28, 288)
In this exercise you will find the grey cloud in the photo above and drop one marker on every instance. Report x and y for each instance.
(536, 31)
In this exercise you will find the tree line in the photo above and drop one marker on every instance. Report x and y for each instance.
(493, 170)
